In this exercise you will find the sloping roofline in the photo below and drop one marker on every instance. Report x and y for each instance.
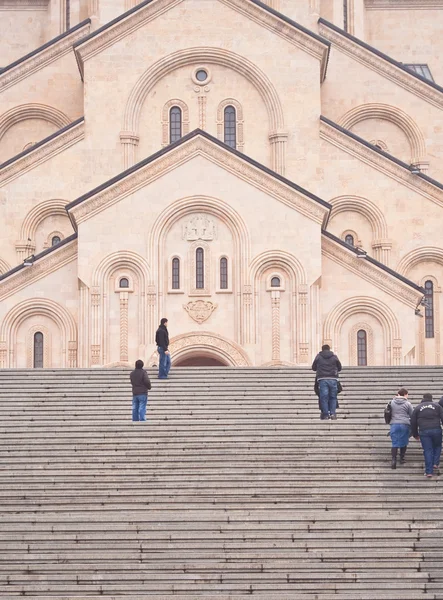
(42, 254)
(256, 2)
(44, 46)
(373, 261)
(382, 55)
(395, 160)
(183, 140)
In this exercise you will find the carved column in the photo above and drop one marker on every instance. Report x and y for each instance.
(124, 296)
(24, 249)
(152, 321)
(382, 250)
(275, 304)
(129, 141)
(72, 354)
(3, 355)
(202, 111)
(278, 140)
(95, 326)
(396, 352)
(437, 333)
(302, 321)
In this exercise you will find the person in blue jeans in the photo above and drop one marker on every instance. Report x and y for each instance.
(327, 367)
(426, 422)
(162, 341)
(141, 384)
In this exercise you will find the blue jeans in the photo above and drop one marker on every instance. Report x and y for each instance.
(431, 443)
(164, 363)
(139, 407)
(328, 397)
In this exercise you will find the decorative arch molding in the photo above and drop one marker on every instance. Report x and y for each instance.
(415, 257)
(380, 241)
(278, 259)
(377, 309)
(353, 347)
(129, 263)
(38, 213)
(394, 115)
(187, 344)
(32, 111)
(47, 346)
(238, 119)
(4, 267)
(204, 55)
(35, 307)
(165, 118)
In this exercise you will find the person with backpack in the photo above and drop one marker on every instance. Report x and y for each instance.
(426, 422)
(327, 367)
(400, 410)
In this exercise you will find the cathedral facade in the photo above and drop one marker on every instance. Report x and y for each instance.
(266, 175)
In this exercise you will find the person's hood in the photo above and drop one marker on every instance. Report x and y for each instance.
(326, 353)
(400, 400)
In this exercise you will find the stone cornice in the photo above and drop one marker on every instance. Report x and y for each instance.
(198, 143)
(252, 9)
(370, 272)
(379, 160)
(403, 4)
(42, 151)
(24, 5)
(382, 64)
(42, 56)
(52, 261)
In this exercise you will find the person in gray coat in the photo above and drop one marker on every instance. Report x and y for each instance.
(400, 429)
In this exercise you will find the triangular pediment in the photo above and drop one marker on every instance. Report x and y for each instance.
(252, 10)
(198, 144)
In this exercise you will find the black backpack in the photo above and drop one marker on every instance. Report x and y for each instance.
(388, 413)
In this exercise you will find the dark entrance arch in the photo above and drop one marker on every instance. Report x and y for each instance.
(200, 360)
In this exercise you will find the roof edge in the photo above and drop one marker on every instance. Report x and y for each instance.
(373, 261)
(183, 140)
(39, 256)
(390, 157)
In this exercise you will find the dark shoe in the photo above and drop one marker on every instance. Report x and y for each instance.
(333, 417)
(394, 458)
(324, 417)
(402, 455)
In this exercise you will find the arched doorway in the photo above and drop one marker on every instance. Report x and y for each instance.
(200, 360)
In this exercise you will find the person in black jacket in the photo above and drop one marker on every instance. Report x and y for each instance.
(162, 341)
(327, 367)
(140, 385)
(426, 423)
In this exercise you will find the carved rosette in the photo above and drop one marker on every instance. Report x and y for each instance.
(200, 310)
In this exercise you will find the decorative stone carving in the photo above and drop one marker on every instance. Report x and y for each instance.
(95, 354)
(200, 310)
(199, 227)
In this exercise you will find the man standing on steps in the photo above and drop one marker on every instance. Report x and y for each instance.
(426, 423)
(162, 341)
(140, 385)
(327, 367)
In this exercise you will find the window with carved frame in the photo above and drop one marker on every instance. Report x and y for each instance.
(362, 348)
(230, 126)
(38, 350)
(349, 239)
(429, 309)
(175, 273)
(224, 284)
(199, 268)
(175, 124)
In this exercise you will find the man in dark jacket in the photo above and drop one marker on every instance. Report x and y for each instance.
(162, 341)
(140, 385)
(327, 367)
(426, 423)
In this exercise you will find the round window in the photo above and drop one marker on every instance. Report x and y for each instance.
(201, 75)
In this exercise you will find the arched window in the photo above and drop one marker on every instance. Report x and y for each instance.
(230, 125)
(429, 309)
(275, 282)
(124, 282)
(349, 239)
(38, 350)
(224, 273)
(175, 273)
(55, 240)
(175, 124)
(199, 269)
(362, 348)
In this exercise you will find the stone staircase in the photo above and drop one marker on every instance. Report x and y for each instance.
(233, 488)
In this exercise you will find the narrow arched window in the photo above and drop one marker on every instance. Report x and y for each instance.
(230, 125)
(224, 273)
(38, 350)
(124, 282)
(175, 124)
(275, 282)
(55, 240)
(429, 309)
(199, 269)
(175, 273)
(362, 348)
(349, 239)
